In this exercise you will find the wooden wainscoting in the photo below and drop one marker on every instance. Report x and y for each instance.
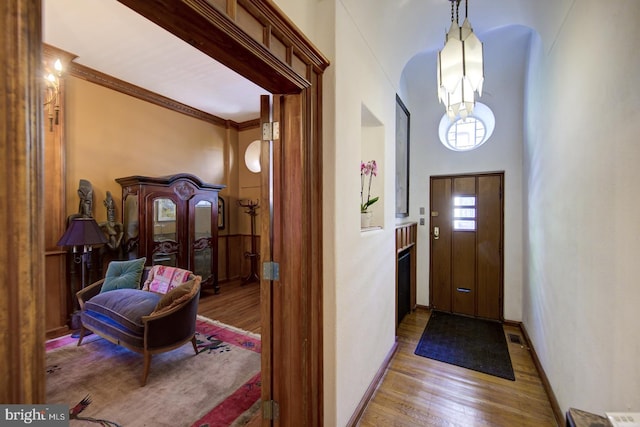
(232, 262)
(57, 294)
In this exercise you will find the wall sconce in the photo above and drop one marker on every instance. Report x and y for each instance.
(252, 156)
(52, 92)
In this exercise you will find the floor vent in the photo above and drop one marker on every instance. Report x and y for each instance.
(515, 339)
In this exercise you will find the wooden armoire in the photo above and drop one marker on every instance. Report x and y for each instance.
(173, 220)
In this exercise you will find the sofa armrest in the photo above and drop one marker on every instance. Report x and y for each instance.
(89, 292)
(172, 326)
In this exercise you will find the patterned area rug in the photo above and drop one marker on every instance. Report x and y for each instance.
(220, 386)
(470, 343)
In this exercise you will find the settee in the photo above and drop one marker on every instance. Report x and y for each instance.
(147, 310)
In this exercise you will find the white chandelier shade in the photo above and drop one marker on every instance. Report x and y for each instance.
(460, 70)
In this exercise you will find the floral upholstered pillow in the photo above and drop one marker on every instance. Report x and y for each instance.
(123, 275)
(163, 278)
(178, 295)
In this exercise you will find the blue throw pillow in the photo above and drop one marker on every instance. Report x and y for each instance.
(123, 275)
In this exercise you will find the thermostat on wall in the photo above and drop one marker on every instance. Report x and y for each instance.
(624, 419)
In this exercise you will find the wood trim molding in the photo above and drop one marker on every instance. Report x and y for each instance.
(22, 325)
(290, 33)
(214, 33)
(89, 74)
(249, 124)
(50, 52)
(377, 379)
(557, 412)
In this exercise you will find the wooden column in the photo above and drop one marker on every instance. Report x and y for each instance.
(58, 297)
(21, 204)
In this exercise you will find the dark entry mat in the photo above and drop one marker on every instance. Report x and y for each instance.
(474, 344)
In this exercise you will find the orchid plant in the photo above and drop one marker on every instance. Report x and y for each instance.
(368, 169)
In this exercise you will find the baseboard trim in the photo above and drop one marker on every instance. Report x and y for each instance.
(57, 332)
(357, 414)
(555, 407)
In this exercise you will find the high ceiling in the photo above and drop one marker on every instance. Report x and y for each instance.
(109, 37)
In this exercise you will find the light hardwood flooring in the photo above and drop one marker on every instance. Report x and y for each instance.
(236, 305)
(417, 391)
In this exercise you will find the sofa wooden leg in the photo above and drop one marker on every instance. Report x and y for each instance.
(81, 335)
(195, 344)
(145, 370)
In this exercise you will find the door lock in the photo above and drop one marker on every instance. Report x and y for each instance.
(436, 233)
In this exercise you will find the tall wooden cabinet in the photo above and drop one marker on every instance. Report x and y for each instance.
(173, 220)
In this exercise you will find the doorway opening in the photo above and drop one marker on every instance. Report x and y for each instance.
(296, 71)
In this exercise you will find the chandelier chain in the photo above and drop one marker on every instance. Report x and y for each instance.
(457, 6)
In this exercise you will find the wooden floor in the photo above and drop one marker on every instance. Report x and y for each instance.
(417, 391)
(236, 305)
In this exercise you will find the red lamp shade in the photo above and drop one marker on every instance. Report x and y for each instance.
(82, 232)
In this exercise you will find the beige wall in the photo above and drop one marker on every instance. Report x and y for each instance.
(248, 183)
(111, 135)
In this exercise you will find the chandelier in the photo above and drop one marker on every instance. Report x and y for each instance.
(460, 68)
(52, 92)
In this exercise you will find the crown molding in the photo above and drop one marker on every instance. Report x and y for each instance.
(110, 82)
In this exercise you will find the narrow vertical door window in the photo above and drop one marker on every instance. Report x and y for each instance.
(464, 213)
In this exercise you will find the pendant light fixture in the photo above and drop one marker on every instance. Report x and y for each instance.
(460, 67)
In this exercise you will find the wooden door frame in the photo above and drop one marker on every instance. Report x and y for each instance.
(298, 71)
(451, 176)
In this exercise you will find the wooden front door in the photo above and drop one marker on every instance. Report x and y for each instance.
(466, 265)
